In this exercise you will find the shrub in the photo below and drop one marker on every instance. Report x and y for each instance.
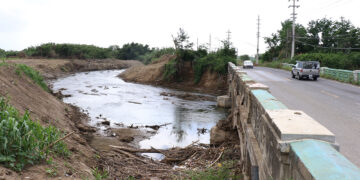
(170, 70)
(216, 62)
(32, 74)
(23, 141)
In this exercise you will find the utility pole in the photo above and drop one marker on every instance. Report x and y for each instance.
(197, 43)
(228, 37)
(258, 36)
(294, 6)
(210, 43)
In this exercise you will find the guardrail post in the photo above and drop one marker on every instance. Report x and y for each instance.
(356, 75)
(322, 70)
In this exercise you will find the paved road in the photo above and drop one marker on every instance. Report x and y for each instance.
(335, 105)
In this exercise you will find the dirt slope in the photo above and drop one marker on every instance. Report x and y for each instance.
(211, 83)
(54, 68)
(44, 107)
(48, 110)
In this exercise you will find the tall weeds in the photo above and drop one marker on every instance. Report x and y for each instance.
(23, 141)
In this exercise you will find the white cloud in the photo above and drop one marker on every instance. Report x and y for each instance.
(107, 22)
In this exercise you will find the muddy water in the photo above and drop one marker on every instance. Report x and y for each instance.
(105, 96)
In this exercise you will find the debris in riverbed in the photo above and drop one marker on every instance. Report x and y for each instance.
(188, 96)
(134, 102)
(106, 122)
(156, 127)
(94, 90)
(202, 131)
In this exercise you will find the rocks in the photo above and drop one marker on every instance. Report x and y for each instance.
(105, 122)
(223, 101)
(218, 136)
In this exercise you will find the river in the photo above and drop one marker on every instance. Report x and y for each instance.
(105, 96)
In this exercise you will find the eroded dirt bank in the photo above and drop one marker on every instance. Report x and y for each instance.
(210, 83)
(91, 153)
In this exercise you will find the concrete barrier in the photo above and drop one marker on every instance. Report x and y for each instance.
(279, 143)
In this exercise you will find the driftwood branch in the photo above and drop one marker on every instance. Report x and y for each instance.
(131, 156)
(217, 159)
(52, 144)
(132, 150)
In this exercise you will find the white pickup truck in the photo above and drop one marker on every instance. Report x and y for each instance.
(306, 69)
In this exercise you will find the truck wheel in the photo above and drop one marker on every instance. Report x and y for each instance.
(298, 75)
(315, 78)
(292, 75)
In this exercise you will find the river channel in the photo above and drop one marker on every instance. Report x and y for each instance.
(105, 96)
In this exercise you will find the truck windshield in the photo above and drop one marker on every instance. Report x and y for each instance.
(310, 65)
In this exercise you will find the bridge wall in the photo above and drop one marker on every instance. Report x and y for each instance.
(279, 143)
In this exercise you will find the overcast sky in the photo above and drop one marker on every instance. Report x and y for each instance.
(25, 23)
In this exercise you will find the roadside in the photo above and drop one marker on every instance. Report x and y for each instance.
(287, 67)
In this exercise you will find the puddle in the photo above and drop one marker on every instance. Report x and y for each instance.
(107, 97)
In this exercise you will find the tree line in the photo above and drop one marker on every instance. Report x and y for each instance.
(335, 43)
(129, 51)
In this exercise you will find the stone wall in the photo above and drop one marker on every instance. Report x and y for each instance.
(279, 143)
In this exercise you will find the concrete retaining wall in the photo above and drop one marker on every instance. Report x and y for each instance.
(279, 143)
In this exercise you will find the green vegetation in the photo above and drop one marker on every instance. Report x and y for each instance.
(98, 174)
(222, 171)
(244, 57)
(216, 62)
(155, 54)
(32, 74)
(335, 44)
(350, 61)
(130, 51)
(201, 60)
(23, 141)
(276, 64)
(170, 70)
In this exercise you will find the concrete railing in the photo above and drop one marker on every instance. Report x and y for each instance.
(341, 75)
(279, 143)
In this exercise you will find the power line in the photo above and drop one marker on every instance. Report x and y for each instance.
(294, 6)
(327, 47)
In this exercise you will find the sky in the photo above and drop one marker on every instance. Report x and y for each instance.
(25, 23)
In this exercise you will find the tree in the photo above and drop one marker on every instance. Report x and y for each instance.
(244, 57)
(182, 40)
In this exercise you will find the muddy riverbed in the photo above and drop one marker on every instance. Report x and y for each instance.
(113, 103)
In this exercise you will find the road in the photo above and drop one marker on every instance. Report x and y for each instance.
(333, 104)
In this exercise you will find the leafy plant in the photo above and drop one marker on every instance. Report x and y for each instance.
(52, 172)
(23, 141)
(222, 171)
(98, 174)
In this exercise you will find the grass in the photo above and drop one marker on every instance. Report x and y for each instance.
(23, 141)
(221, 171)
(32, 74)
(98, 174)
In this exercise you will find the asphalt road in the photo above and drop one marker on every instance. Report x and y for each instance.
(333, 104)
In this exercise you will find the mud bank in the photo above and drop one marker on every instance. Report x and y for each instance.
(48, 109)
(210, 83)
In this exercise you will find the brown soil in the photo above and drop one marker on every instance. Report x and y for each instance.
(210, 83)
(55, 68)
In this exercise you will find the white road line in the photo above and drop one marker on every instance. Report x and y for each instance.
(329, 94)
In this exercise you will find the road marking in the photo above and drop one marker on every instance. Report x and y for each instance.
(329, 94)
